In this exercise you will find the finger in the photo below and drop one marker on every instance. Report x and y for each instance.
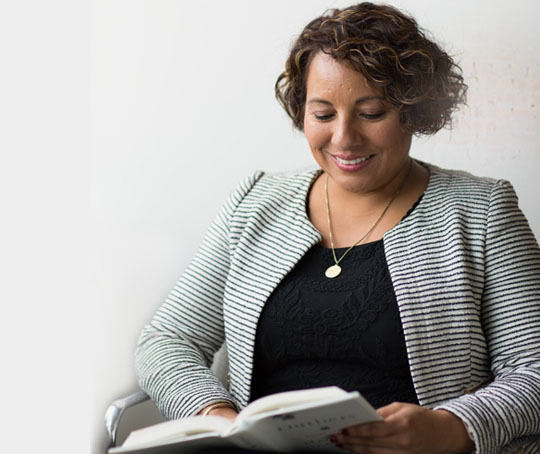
(371, 430)
(388, 426)
(391, 442)
(389, 410)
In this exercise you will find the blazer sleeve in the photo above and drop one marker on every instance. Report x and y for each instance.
(176, 348)
(508, 409)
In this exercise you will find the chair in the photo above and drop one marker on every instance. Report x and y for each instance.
(115, 411)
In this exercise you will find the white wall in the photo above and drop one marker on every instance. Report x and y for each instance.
(185, 108)
(127, 123)
(46, 299)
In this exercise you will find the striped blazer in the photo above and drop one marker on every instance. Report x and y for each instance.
(465, 268)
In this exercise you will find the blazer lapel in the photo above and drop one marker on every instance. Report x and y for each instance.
(270, 233)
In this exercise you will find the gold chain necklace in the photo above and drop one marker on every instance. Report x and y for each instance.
(335, 270)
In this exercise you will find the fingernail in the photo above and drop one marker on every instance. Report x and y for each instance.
(345, 431)
(333, 438)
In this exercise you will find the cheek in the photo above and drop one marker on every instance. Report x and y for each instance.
(387, 136)
(392, 135)
(399, 141)
(316, 135)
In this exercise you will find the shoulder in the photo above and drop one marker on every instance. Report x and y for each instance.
(458, 200)
(262, 188)
(288, 180)
(457, 186)
(462, 181)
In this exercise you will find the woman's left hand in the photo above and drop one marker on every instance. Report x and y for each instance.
(407, 429)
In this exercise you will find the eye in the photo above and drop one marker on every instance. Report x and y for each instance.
(326, 117)
(373, 116)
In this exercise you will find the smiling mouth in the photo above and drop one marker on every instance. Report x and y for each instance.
(351, 162)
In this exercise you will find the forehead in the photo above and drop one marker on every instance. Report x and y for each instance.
(331, 77)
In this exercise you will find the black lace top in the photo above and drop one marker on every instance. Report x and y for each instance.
(346, 331)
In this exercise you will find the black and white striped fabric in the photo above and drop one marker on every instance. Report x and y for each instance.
(466, 272)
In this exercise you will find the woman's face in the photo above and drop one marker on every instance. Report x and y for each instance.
(354, 135)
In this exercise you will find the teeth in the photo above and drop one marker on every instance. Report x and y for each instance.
(353, 161)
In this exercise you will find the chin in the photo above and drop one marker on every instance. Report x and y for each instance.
(351, 184)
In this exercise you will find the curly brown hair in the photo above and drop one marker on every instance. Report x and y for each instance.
(391, 51)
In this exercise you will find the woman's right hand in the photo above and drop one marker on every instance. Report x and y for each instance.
(225, 412)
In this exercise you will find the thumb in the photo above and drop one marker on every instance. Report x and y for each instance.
(388, 410)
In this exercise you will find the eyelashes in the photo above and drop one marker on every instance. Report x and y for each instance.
(374, 116)
(323, 117)
(365, 116)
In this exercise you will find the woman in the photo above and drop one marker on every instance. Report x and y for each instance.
(418, 286)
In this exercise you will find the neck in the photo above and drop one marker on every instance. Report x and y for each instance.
(366, 202)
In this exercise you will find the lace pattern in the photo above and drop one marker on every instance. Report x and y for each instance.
(346, 331)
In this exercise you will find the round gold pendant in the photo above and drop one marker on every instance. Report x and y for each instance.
(333, 271)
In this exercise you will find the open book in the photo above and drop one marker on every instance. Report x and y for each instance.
(289, 421)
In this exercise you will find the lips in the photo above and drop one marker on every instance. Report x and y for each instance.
(351, 163)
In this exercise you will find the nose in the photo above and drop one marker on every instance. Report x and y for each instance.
(345, 136)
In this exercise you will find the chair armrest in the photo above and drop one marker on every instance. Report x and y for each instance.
(116, 410)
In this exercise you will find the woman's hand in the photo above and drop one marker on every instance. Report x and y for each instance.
(407, 429)
(225, 412)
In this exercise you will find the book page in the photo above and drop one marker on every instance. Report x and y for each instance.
(190, 445)
(290, 399)
(178, 429)
(308, 426)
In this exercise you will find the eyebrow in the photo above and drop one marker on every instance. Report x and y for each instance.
(358, 101)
